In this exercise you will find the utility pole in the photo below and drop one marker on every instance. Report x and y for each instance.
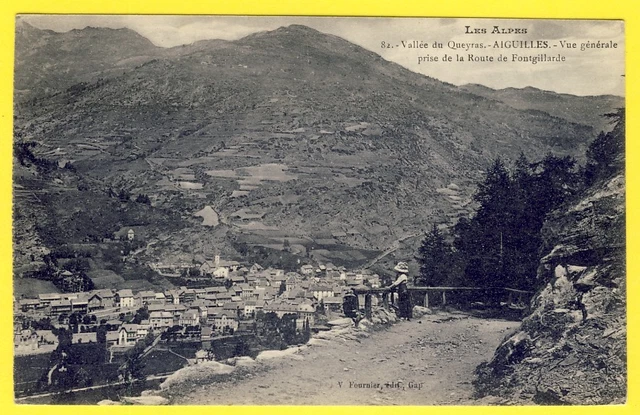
(501, 257)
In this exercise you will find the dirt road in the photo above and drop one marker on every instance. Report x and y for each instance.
(429, 361)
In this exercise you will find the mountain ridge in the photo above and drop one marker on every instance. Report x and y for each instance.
(313, 134)
(586, 110)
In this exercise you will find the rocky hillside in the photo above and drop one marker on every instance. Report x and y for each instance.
(287, 134)
(571, 349)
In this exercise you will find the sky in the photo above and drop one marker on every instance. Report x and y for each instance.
(592, 71)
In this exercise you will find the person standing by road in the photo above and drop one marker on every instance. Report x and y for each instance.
(351, 306)
(405, 310)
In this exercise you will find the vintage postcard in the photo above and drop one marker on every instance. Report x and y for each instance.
(244, 210)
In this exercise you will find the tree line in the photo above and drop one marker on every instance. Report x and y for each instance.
(500, 245)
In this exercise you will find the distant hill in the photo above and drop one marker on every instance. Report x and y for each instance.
(587, 110)
(49, 62)
(287, 134)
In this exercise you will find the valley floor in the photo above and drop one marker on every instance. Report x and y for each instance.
(426, 361)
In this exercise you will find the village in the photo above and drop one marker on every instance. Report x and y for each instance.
(226, 308)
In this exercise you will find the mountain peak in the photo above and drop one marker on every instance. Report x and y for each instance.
(477, 87)
(526, 89)
(120, 32)
(290, 33)
(22, 27)
(22, 24)
(299, 28)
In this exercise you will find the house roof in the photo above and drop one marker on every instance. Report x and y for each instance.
(125, 293)
(224, 296)
(160, 314)
(83, 296)
(146, 294)
(134, 327)
(191, 314)
(50, 296)
(79, 302)
(61, 303)
(156, 307)
(279, 306)
(332, 300)
(320, 288)
(125, 230)
(295, 292)
(208, 264)
(214, 309)
(306, 307)
(95, 295)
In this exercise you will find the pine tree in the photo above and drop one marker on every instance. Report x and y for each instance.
(500, 244)
(307, 330)
(434, 256)
(101, 334)
(493, 226)
(605, 155)
(132, 370)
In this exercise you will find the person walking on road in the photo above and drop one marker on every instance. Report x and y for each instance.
(405, 310)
